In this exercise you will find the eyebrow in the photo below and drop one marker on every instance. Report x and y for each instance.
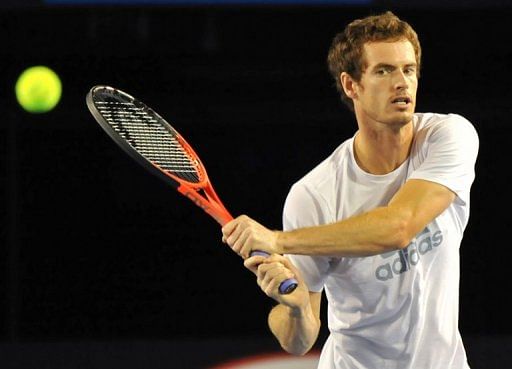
(386, 65)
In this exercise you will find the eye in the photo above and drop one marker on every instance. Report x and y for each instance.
(410, 70)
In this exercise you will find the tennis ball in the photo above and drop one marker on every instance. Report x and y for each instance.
(38, 89)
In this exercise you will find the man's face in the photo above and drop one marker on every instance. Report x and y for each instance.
(386, 92)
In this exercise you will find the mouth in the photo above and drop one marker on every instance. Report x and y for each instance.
(401, 101)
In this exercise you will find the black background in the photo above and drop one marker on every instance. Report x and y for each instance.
(94, 248)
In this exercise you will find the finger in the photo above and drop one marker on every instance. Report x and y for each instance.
(271, 267)
(288, 265)
(263, 271)
(228, 228)
(272, 281)
(276, 258)
(247, 245)
(240, 243)
(234, 235)
(253, 262)
(270, 271)
(265, 267)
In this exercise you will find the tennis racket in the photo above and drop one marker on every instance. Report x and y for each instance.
(158, 147)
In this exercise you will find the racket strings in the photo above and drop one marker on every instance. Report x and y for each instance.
(147, 135)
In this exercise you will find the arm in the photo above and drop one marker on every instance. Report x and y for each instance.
(295, 322)
(377, 231)
(380, 230)
(296, 330)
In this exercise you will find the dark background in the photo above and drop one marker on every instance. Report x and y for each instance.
(93, 249)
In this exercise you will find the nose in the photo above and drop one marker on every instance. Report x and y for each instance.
(400, 81)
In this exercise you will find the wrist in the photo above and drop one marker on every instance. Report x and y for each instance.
(278, 242)
(283, 242)
(299, 311)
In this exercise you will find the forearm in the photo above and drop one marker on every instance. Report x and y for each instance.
(296, 330)
(378, 231)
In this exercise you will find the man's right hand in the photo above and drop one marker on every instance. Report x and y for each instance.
(271, 272)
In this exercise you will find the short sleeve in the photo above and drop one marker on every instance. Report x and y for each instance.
(304, 209)
(452, 149)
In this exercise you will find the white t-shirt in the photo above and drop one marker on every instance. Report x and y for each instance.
(400, 309)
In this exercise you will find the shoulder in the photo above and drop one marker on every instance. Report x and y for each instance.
(444, 151)
(435, 122)
(452, 129)
(309, 201)
(318, 177)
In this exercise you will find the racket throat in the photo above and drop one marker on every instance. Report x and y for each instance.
(217, 211)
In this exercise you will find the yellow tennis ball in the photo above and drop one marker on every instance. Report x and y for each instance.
(38, 89)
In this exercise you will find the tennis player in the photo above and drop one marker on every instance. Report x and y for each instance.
(378, 224)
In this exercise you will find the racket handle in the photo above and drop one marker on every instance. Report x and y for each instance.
(287, 286)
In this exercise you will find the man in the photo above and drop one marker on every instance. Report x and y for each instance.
(378, 224)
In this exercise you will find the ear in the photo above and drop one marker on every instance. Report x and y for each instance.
(349, 85)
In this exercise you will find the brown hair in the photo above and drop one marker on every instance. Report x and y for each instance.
(346, 51)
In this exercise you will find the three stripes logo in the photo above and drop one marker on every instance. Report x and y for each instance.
(401, 261)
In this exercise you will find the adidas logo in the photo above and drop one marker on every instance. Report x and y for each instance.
(403, 260)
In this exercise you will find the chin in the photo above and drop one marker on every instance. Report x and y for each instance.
(401, 118)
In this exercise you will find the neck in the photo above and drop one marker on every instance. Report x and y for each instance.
(380, 149)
